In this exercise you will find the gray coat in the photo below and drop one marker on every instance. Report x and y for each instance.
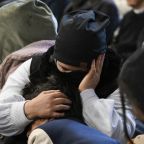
(23, 22)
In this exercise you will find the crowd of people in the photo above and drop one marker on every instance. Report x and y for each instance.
(87, 87)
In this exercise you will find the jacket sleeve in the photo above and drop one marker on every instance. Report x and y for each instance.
(39, 136)
(106, 114)
(13, 119)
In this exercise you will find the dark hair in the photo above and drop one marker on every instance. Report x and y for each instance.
(125, 118)
(57, 81)
(131, 82)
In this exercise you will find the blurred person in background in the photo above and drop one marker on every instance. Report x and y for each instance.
(130, 28)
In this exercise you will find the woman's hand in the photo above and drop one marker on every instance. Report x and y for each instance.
(92, 78)
(48, 104)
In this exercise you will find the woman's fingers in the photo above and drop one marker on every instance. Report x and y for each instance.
(51, 91)
(99, 63)
(61, 107)
(96, 66)
(92, 78)
(45, 103)
(93, 67)
(62, 101)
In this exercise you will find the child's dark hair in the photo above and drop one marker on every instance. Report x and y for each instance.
(57, 82)
(124, 118)
(131, 82)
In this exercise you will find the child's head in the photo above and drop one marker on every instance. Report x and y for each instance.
(131, 81)
(57, 81)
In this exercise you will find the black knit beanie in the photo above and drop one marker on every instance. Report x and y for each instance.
(81, 37)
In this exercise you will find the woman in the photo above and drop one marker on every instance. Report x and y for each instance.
(81, 40)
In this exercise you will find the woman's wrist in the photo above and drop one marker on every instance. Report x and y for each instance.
(28, 110)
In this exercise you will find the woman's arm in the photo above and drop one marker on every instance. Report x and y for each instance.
(13, 119)
(16, 112)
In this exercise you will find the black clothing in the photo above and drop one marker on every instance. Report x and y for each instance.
(131, 78)
(130, 29)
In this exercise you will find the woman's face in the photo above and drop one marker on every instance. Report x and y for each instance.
(136, 3)
(69, 68)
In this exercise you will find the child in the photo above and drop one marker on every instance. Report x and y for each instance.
(56, 81)
(131, 84)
